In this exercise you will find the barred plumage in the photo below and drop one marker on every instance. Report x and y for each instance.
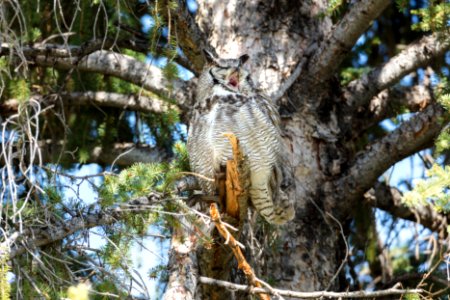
(227, 102)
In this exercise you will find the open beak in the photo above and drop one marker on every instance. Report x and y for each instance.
(233, 79)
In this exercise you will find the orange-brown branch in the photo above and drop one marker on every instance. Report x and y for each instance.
(231, 241)
(232, 182)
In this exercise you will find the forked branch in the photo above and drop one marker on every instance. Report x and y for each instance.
(420, 53)
(412, 136)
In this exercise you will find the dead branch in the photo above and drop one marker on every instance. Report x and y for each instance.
(182, 266)
(310, 295)
(235, 247)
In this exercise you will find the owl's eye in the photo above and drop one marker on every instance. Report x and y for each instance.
(220, 73)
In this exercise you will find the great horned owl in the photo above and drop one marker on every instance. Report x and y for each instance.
(227, 102)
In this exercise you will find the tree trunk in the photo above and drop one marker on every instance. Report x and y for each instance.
(275, 35)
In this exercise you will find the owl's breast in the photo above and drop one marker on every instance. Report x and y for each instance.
(242, 116)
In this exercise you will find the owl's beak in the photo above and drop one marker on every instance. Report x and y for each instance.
(233, 79)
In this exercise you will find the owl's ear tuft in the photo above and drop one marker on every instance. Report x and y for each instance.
(209, 56)
(243, 59)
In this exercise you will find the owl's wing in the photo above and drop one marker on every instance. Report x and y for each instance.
(201, 151)
(270, 109)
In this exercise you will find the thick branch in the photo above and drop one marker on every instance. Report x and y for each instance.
(182, 266)
(418, 54)
(120, 66)
(410, 137)
(309, 295)
(139, 44)
(413, 98)
(336, 46)
(130, 102)
(111, 63)
(190, 38)
(390, 199)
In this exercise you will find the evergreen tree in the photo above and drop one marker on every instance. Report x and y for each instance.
(108, 86)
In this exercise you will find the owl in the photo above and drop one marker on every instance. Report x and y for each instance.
(226, 101)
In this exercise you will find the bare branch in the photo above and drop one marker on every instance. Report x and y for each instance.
(122, 154)
(418, 54)
(139, 44)
(336, 46)
(309, 295)
(413, 98)
(120, 66)
(389, 102)
(130, 102)
(111, 63)
(140, 103)
(410, 137)
(389, 199)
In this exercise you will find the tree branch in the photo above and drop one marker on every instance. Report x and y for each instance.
(31, 238)
(121, 154)
(418, 54)
(111, 63)
(146, 104)
(121, 66)
(131, 102)
(336, 46)
(389, 199)
(309, 295)
(190, 38)
(183, 265)
(410, 137)
(389, 103)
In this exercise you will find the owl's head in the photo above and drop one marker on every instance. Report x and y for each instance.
(224, 75)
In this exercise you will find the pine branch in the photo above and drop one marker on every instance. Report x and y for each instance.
(418, 54)
(309, 295)
(412, 136)
(19, 242)
(335, 47)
